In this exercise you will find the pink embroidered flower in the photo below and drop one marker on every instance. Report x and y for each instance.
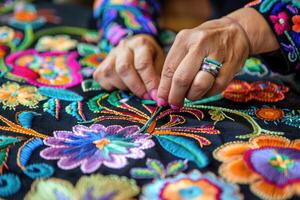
(296, 21)
(280, 22)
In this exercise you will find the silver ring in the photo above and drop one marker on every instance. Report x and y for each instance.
(211, 66)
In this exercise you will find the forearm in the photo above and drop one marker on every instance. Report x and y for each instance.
(260, 34)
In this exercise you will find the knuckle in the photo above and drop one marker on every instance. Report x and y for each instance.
(182, 34)
(107, 71)
(199, 87)
(168, 72)
(181, 81)
(141, 40)
(141, 66)
(123, 69)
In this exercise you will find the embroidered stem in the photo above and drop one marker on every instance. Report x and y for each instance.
(205, 100)
(28, 38)
(12, 127)
(61, 30)
(257, 130)
(145, 127)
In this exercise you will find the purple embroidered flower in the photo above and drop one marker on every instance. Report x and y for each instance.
(91, 147)
(279, 166)
(280, 22)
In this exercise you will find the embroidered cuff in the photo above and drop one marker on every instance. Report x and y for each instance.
(120, 19)
(282, 16)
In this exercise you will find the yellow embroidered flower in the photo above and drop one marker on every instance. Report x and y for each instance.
(6, 34)
(269, 164)
(95, 186)
(12, 95)
(56, 43)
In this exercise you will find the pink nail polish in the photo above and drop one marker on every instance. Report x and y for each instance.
(161, 102)
(153, 94)
(146, 96)
(175, 107)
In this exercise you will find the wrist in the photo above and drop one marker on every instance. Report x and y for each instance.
(259, 33)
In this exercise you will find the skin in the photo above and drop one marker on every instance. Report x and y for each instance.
(138, 63)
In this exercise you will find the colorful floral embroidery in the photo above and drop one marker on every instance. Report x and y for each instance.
(6, 34)
(25, 118)
(281, 23)
(26, 15)
(56, 43)
(95, 186)
(194, 185)
(91, 147)
(11, 184)
(155, 169)
(61, 94)
(265, 91)
(75, 109)
(296, 21)
(53, 107)
(255, 67)
(269, 114)
(5, 144)
(12, 95)
(52, 69)
(269, 164)
(275, 115)
(93, 60)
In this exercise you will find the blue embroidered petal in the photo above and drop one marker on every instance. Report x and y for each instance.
(183, 148)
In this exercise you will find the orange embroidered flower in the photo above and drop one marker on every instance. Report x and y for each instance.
(265, 91)
(269, 114)
(296, 21)
(269, 164)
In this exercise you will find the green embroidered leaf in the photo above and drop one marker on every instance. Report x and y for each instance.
(148, 102)
(142, 173)
(60, 94)
(183, 148)
(176, 167)
(90, 85)
(5, 142)
(93, 103)
(113, 99)
(156, 166)
(87, 49)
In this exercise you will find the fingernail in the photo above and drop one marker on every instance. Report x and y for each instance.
(146, 96)
(173, 107)
(153, 94)
(161, 102)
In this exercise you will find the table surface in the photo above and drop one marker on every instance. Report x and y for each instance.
(57, 136)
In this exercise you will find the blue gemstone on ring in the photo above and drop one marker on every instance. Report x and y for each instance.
(212, 61)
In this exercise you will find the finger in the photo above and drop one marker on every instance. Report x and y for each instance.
(204, 80)
(183, 78)
(127, 73)
(144, 65)
(226, 74)
(174, 58)
(104, 71)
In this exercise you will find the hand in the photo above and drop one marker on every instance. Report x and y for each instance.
(135, 64)
(227, 40)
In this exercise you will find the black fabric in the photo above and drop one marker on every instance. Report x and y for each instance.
(77, 16)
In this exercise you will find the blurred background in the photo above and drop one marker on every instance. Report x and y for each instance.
(180, 14)
(177, 14)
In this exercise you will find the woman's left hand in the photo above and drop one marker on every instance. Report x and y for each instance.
(222, 40)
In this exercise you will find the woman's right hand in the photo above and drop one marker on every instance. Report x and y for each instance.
(135, 65)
